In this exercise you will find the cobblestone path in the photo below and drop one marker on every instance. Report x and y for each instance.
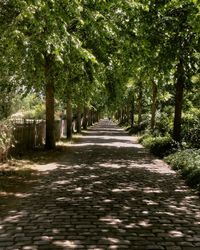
(107, 192)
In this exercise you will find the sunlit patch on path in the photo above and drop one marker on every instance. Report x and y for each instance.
(107, 192)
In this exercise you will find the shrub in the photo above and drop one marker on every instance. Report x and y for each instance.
(193, 136)
(160, 146)
(187, 162)
(145, 136)
(191, 131)
(137, 129)
(5, 139)
(164, 124)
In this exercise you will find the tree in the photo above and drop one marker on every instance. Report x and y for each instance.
(167, 31)
(40, 39)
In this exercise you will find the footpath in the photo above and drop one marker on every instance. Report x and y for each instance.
(107, 192)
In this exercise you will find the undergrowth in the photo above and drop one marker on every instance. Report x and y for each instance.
(160, 145)
(187, 162)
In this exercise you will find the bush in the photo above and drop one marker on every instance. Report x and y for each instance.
(144, 137)
(191, 130)
(193, 136)
(187, 162)
(6, 139)
(159, 146)
(164, 124)
(137, 129)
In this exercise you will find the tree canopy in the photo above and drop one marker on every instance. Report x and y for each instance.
(138, 60)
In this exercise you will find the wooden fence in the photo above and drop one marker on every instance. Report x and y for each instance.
(28, 134)
(22, 135)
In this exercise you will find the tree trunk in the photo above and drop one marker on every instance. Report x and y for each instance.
(79, 118)
(132, 112)
(140, 105)
(85, 120)
(118, 115)
(50, 138)
(122, 116)
(69, 119)
(125, 114)
(98, 116)
(95, 117)
(178, 102)
(154, 104)
(127, 110)
(90, 118)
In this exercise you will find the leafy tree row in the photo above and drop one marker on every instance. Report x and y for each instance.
(51, 47)
(165, 63)
(135, 57)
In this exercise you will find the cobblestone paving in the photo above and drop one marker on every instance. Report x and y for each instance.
(107, 192)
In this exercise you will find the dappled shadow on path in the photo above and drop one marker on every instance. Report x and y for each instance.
(105, 193)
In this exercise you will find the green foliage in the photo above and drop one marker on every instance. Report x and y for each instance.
(5, 104)
(137, 129)
(191, 128)
(32, 106)
(159, 146)
(165, 34)
(103, 53)
(144, 137)
(163, 124)
(187, 162)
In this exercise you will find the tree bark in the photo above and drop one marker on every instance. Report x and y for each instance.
(85, 119)
(118, 115)
(122, 116)
(79, 118)
(69, 119)
(50, 137)
(140, 105)
(127, 114)
(154, 104)
(93, 116)
(132, 112)
(90, 118)
(98, 116)
(178, 101)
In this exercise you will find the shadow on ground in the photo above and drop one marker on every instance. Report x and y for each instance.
(105, 193)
